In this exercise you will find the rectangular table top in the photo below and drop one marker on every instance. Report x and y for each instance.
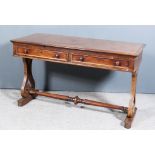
(70, 42)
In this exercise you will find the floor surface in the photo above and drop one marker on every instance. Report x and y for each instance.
(45, 113)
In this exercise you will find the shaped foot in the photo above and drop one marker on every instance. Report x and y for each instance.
(23, 101)
(128, 121)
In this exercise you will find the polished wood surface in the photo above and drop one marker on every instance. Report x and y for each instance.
(103, 54)
(77, 100)
(100, 60)
(70, 42)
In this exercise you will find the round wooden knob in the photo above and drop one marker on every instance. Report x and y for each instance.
(57, 55)
(81, 58)
(117, 63)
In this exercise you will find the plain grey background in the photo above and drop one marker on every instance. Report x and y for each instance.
(52, 76)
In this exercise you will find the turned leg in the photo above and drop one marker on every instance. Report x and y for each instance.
(131, 109)
(28, 83)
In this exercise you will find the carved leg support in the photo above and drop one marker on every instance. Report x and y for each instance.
(28, 93)
(131, 109)
(28, 83)
(25, 100)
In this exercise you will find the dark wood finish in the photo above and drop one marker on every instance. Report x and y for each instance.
(77, 100)
(28, 83)
(23, 101)
(86, 44)
(86, 52)
(128, 120)
(34, 51)
(78, 57)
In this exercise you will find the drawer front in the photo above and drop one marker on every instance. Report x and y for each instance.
(42, 53)
(99, 60)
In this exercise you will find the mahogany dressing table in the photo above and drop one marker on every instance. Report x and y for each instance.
(86, 52)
